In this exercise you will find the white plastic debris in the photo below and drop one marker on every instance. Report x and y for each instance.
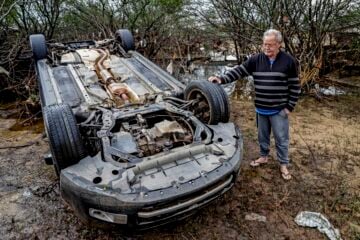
(230, 58)
(317, 220)
(330, 91)
(170, 67)
(229, 88)
(27, 193)
(255, 217)
(249, 87)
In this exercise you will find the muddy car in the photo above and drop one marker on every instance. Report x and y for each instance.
(131, 144)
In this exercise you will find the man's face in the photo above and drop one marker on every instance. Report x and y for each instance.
(270, 46)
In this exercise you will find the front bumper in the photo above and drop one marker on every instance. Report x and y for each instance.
(140, 206)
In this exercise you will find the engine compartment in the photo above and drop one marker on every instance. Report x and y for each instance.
(150, 134)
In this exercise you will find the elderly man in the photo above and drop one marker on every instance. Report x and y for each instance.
(277, 89)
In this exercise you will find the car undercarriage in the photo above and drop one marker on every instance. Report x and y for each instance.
(131, 144)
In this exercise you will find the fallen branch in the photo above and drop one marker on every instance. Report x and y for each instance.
(20, 146)
(36, 141)
(28, 119)
(42, 191)
(308, 147)
(283, 220)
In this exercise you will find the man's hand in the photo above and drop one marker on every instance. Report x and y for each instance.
(214, 79)
(286, 111)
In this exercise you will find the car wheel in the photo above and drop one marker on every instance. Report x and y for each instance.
(38, 46)
(211, 104)
(65, 141)
(125, 38)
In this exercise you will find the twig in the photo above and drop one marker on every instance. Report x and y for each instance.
(284, 221)
(20, 146)
(23, 145)
(9, 138)
(308, 147)
(32, 116)
(184, 237)
(192, 236)
(286, 196)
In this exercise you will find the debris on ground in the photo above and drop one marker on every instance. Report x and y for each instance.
(27, 193)
(314, 219)
(355, 227)
(330, 91)
(255, 217)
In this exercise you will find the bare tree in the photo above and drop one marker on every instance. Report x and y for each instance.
(5, 9)
(38, 16)
(306, 25)
(232, 20)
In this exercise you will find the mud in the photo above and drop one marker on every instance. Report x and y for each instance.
(325, 163)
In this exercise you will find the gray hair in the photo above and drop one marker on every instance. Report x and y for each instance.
(275, 33)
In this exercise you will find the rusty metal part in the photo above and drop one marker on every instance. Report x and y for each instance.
(123, 90)
(166, 127)
(105, 75)
(113, 88)
(112, 97)
(102, 72)
(163, 135)
(119, 89)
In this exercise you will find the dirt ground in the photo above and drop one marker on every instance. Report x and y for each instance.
(325, 163)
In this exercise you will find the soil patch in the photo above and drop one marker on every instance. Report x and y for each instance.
(325, 163)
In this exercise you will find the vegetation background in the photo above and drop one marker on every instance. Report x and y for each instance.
(323, 35)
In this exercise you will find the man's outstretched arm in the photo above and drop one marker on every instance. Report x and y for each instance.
(233, 74)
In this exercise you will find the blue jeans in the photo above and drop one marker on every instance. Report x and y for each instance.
(279, 123)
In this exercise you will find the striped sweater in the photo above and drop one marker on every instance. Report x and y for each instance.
(277, 85)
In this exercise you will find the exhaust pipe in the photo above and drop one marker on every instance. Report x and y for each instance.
(114, 88)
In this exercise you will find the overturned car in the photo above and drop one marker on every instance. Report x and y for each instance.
(131, 144)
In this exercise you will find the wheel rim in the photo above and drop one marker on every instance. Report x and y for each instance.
(201, 107)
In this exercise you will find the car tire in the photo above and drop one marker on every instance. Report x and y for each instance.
(38, 46)
(212, 106)
(126, 39)
(64, 137)
(225, 117)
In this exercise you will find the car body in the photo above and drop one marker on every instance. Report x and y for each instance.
(131, 144)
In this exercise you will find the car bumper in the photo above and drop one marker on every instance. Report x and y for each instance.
(145, 209)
